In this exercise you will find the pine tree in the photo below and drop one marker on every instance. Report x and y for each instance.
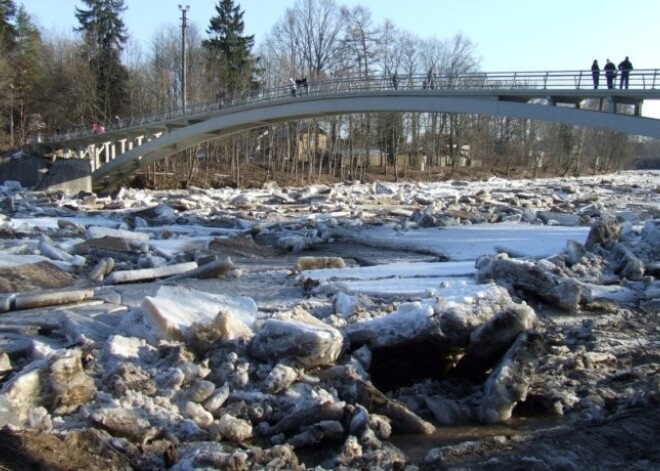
(229, 50)
(27, 75)
(104, 38)
(7, 29)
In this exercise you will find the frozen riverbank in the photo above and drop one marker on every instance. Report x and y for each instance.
(229, 326)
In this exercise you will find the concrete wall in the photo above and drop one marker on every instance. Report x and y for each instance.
(28, 170)
(70, 175)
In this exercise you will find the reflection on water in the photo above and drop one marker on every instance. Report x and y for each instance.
(417, 446)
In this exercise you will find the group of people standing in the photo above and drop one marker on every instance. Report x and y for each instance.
(625, 66)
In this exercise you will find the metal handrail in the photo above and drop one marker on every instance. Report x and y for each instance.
(642, 79)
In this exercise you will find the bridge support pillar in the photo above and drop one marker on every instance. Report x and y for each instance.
(95, 155)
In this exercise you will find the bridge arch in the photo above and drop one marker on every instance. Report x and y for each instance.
(256, 114)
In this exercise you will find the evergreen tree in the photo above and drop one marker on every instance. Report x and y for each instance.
(229, 50)
(27, 76)
(7, 29)
(104, 38)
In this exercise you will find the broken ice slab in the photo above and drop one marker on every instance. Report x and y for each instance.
(145, 274)
(10, 261)
(390, 270)
(469, 242)
(173, 309)
(51, 298)
(97, 232)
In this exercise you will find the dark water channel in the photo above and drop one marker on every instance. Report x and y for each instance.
(416, 447)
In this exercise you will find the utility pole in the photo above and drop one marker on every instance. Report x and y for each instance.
(11, 115)
(184, 27)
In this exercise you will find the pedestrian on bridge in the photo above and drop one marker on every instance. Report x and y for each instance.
(595, 73)
(625, 66)
(429, 78)
(294, 87)
(610, 73)
(395, 81)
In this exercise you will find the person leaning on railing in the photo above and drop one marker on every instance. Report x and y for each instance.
(625, 66)
(610, 73)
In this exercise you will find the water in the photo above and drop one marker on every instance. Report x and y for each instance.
(416, 447)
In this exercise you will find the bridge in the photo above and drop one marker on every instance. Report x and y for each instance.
(556, 96)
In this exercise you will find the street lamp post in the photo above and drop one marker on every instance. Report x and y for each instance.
(11, 115)
(184, 11)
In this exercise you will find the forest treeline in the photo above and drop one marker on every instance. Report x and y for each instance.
(98, 75)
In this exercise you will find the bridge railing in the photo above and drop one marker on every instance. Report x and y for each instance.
(643, 79)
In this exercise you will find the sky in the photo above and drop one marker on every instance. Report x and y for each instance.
(510, 35)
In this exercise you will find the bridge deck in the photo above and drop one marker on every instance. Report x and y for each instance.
(556, 87)
(565, 97)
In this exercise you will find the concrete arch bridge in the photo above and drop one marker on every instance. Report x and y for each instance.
(556, 96)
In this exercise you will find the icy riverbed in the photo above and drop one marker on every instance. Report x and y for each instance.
(262, 326)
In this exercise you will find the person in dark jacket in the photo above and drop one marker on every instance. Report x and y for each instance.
(595, 73)
(610, 73)
(625, 67)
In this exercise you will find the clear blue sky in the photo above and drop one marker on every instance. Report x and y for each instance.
(509, 34)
